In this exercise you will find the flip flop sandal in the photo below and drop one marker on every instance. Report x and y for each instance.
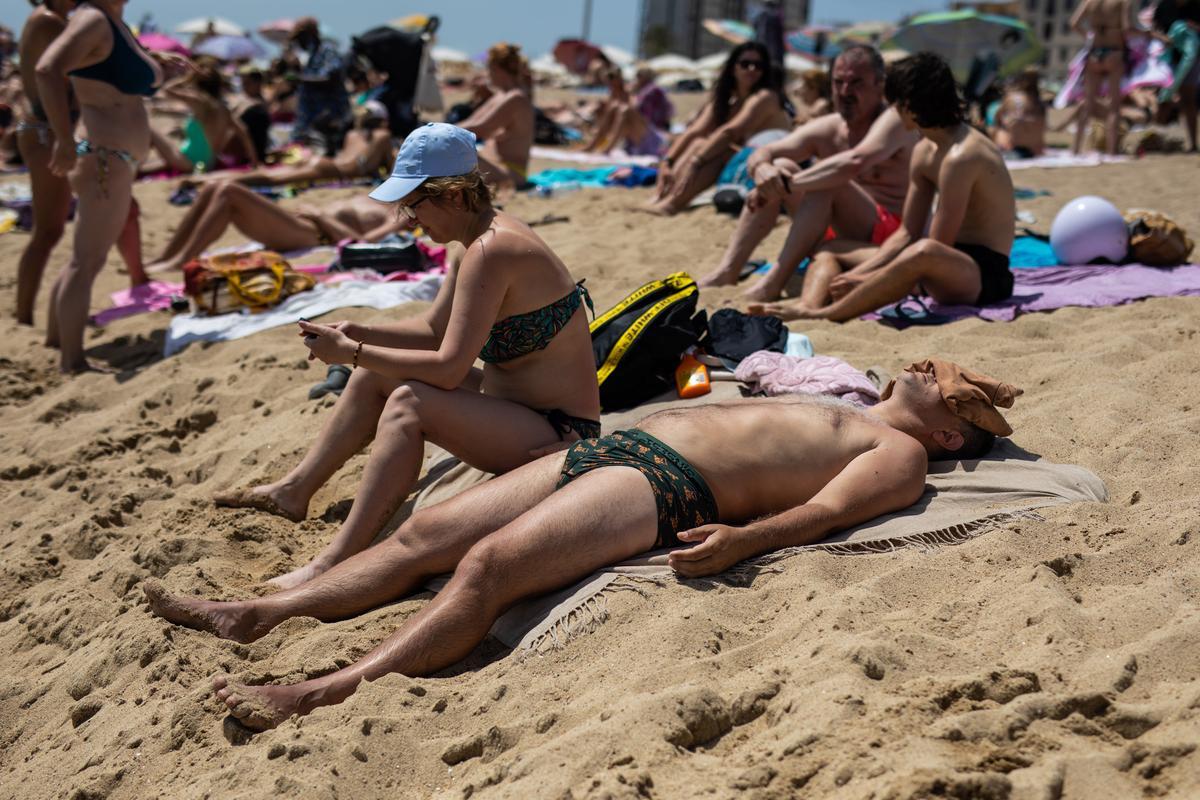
(335, 381)
(913, 311)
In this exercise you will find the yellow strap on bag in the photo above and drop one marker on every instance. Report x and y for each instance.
(676, 280)
(679, 280)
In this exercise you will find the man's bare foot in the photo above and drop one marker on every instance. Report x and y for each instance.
(785, 311)
(258, 707)
(759, 293)
(718, 277)
(270, 498)
(301, 575)
(236, 621)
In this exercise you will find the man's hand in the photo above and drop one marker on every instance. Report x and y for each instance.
(719, 548)
(768, 181)
(62, 160)
(327, 343)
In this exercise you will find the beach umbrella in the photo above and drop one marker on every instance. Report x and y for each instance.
(813, 40)
(962, 36)
(671, 62)
(277, 30)
(219, 25)
(712, 63)
(548, 66)
(229, 48)
(161, 43)
(731, 30)
(864, 33)
(795, 62)
(575, 54)
(448, 55)
(622, 58)
(413, 23)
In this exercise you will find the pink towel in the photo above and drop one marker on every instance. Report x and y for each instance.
(152, 296)
(776, 373)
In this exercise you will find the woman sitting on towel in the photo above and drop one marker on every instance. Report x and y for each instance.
(748, 98)
(509, 302)
(506, 120)
(367, 150)
(220, 205)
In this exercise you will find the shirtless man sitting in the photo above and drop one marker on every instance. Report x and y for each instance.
(964, 259)
(719, 483)
(505, 122)
(220, 205)
(856, 186)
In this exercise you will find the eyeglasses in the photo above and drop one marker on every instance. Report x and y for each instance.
(751, 64)
(409, 211)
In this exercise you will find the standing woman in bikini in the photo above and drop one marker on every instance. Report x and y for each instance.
(110, 74)
(510, 302)
(51, 193)
(1108, 22)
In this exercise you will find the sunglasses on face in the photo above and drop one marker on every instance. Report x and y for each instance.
(409, 211)
(751, 64)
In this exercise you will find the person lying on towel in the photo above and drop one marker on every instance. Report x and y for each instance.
(716, 484)
(964, 257)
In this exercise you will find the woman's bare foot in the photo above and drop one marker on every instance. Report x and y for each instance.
(312, 569)
(86, 366)
(272, 498)
(259, 707)
(237, 621)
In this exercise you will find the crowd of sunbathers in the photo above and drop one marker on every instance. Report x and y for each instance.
(888, 186)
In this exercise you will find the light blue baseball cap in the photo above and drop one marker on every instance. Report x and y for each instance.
(434, 150)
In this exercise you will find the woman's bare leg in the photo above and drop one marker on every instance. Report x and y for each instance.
(1091, 88)
(317, 169)
(486, 432)
(228, 204)
(687, 186)
(1187, 109)
(104, 193)
(431, 542)
(1112, 127)
(185, 227)
(51, 204)
(129, 245)
(349, 429)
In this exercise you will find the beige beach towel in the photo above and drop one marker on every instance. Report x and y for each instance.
(962, 500)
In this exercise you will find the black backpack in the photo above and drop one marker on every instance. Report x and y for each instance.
(639, 341)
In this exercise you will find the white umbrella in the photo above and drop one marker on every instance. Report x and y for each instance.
(448, 55)
(712, 63)
(622, 58)
(795, 62)
(220, 26)
(547, 65)
(671, 62)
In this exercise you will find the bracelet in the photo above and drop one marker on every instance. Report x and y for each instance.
(357, 350)
(670, 162)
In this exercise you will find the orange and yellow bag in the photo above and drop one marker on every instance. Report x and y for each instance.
(258, 280)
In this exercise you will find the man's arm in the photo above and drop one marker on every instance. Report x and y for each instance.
(887, 478)
(886, 136)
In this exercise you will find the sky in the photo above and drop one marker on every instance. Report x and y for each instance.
(470, 25)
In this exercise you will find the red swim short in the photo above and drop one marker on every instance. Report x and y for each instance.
(886, 223)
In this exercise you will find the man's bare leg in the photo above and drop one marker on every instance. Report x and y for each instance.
(349, 428)
(574, 532)
(753, 227)
(830, 261)
(849, 209)
(431, 542)
(486, 432)
(949, 275)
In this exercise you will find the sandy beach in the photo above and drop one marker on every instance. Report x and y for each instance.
(1051, 659)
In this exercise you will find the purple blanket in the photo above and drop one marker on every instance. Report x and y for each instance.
(1090, 287)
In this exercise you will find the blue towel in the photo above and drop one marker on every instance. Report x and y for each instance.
(554, 178)
(1029, 251)
(735, 170)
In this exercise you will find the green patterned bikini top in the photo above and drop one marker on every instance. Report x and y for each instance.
(522, 334)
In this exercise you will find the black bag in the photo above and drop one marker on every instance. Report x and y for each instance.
(394, 254)
(639, 341)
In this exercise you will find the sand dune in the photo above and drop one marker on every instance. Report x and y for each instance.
(1053, 659)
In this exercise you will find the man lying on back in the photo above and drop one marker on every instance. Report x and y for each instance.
(718, 483)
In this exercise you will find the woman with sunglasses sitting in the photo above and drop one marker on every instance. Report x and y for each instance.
(747, 98)
(510, 301)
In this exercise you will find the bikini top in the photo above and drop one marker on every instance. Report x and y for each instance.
(522, 334)
(128, 68)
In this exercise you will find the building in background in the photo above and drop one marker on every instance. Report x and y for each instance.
(677, 26)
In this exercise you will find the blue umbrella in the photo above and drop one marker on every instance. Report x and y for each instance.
(230, 48)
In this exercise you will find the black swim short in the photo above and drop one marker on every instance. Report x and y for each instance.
(681, 495)
(995, 278)
(563, 423)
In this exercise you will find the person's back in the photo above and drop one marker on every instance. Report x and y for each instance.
(991, 205)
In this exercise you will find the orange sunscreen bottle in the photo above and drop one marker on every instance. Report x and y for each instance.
(691, 377)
